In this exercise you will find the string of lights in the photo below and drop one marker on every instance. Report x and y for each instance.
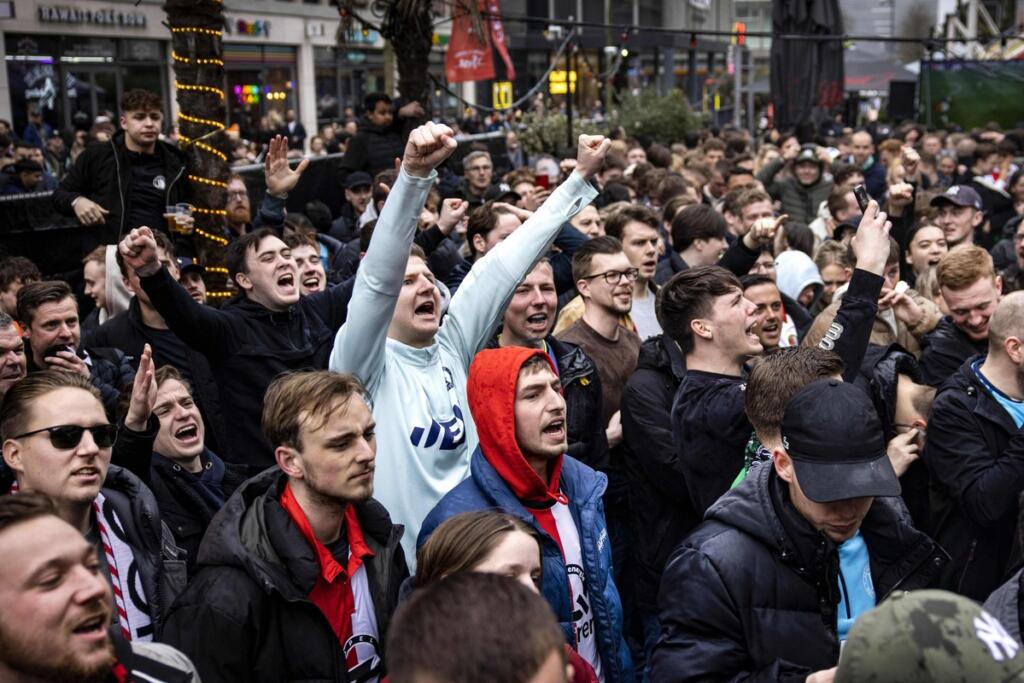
(213, 125)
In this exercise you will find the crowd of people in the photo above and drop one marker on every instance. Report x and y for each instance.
(679, 410)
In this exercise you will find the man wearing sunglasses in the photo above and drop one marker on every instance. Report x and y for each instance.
(57, 441)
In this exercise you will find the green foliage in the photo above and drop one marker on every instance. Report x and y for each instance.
(662, 119)
(546, 133)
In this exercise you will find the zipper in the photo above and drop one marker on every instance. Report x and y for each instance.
(171, 185)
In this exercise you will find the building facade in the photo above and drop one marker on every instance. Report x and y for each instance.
(73, 61)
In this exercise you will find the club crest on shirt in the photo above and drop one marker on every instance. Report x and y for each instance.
(160, 183)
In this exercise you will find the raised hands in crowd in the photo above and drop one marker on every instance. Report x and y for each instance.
(711, 415)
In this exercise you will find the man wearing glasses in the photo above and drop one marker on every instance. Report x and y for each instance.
(57, 441)
(604, 278)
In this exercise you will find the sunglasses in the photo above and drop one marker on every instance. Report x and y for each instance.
(66, 437)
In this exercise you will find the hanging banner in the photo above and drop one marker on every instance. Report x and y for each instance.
(500, 37)
(469, 54)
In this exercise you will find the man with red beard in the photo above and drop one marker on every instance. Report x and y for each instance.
(280, 179)
(521, 468)
(57, 607)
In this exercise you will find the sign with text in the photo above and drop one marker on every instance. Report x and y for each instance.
(501, 94)
(57, 14)
(561, 82)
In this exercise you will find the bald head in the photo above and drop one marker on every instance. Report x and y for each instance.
(1007, 321)
(862, 147)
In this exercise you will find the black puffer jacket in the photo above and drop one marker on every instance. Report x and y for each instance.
(103, 174)
(662, 513)
(944, 349)
(110, 371)
(752, 594)
(246, 615)
(879, 378)
(160, 563)
(975, 457)
(248, 345)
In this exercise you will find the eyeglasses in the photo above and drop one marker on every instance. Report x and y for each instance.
(66, 437)
(614, 277)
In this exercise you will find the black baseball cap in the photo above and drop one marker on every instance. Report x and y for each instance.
(358, 179)
(833, 435)
(186, 265)
(960, 195)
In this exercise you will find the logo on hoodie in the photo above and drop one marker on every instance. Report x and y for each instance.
(451, 433)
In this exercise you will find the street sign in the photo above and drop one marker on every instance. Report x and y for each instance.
(501, 94)
(561, 82)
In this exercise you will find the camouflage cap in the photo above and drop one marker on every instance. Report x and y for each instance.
(929, 636)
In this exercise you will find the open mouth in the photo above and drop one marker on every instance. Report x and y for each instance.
(427, 308)
(86, 472)
(538, 320)
(555, 429)
(93, 628)
(286, 281)
(188, 433)
(312, 282)
(10, 374)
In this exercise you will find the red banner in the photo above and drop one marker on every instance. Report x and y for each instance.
(469, 54)
(500, 37)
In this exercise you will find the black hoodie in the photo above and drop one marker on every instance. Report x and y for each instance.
(246, 615)
(248, 345)
(752, 593)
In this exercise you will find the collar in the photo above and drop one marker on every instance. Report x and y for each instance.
(330, 568)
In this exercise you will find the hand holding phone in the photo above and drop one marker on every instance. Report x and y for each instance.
(862, 197)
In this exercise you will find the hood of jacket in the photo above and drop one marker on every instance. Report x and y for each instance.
(661, 353)
(491, 391)
(795, 271)
(879, 377)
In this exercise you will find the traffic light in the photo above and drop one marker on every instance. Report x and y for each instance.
(739, 34)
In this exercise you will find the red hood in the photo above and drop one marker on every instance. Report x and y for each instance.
(492, 390)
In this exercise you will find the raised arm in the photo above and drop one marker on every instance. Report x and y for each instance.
(204, 328)
(850, 332)
(480, 301)
(359, 344)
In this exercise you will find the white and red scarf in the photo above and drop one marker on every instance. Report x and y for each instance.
(133, 614)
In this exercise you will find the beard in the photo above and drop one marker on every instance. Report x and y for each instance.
(318, 491)
(40, 660)
(239, 215)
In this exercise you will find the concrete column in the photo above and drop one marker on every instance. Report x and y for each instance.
(306, 86)
(5, 87)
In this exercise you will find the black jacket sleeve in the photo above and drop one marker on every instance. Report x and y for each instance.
(204, 328)
(74, 185)
(134, 450)
(647, 433)
(218, 643)
(850, 332)
(738, 260)
(986, 485)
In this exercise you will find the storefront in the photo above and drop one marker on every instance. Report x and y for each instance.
(73, 63)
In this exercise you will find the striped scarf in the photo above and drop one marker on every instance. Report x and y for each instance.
(133, 615)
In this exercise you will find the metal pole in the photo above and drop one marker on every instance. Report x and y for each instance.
(737, 78)
(569, 94)
(691, 77)
(751, 124)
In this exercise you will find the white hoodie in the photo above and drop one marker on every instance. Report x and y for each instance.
(425, 434)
